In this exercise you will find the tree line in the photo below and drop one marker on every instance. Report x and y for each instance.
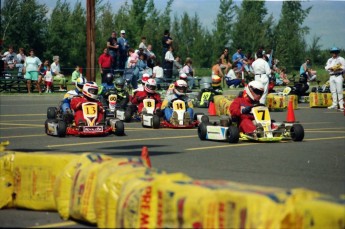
(62, 31)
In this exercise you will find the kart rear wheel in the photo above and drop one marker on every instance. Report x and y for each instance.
(156, 122)
(61, 130)
(205, 119)
(119, 128)
(233, 134)
(202, 131)
(128, 115)
(297, 132)
(51, 113)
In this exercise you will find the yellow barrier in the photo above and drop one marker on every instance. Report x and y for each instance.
(320, 99)
(276, 102)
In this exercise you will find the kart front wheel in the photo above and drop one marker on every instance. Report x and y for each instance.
(205, 119)
(233, 134)
(51, 113)
(297, 132)
(156, 122)
(62, 128)
(119, 128)
(128, 115)
(202, 131)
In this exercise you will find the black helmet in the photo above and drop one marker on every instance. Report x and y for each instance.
(109, 78)
(119, 84)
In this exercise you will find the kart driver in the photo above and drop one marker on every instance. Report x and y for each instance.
(90, 94)
(241, 107)
(179, 92)
(149, 92)
(170, 91)
(108, 84)
(118, 90)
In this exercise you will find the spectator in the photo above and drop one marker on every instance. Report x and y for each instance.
(43, 69)
(225, 64)
(132, 61)
(48, 79)
(284, 77)
(142, 44)
(239, 59)
(113, 48)
(32, 67)
(11, 59)
(150, 56)
(189, 71)
(169, 61)
(335, 67)
(142, 65)
(166, 42)
(232, 78)
(262, 71)
(55, 68)
(20, 61)
(105, 63)
(177, 67)
(306, 69)
(75, 74)
(123, 49)
(217, 69)
(158, 73)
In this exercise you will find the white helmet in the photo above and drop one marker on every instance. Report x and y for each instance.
(144, 78)
(254, 90)
(90, 90)
(183, 76)
(79, 83)
(180, 87)
(150, 86)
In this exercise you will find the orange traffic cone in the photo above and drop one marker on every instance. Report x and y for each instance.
(211, 109)
(290, 113)
(145, 156)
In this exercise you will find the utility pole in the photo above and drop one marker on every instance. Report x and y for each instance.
(90, 41)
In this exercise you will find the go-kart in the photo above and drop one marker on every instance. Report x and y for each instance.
(58, 125)
(112, 110)
(179, 107)
(229, 131)
(148, 117)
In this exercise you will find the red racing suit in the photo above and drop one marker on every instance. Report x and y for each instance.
(139, 96)
(246, 124)
(76, 106)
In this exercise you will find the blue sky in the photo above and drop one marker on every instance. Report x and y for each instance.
(326, 19)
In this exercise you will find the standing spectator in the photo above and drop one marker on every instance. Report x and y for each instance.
(75, 74)
(142, 65)
(123, 49)
(55, 68)
(32, 67)
(48, 79)
(20, 61)
(225, 64)
(142, 44)
(150, 56)
(113, 49)
(43, 69)
(166, 43)
(335, 67)
(132, 61)
(105, 63)
(262, 71)
(177, 67)
(158, 74)
(189, 71)
(169, 61)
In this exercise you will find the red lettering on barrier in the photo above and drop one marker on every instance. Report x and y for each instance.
(243, 218)
(160, 210)
(145, 207)
(221, 210)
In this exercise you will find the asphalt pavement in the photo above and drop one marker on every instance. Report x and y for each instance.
(317, 163)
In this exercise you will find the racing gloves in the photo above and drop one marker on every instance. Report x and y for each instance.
(246, 110)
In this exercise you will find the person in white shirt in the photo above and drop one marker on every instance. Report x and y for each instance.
(158, 73)
(55, 69)
(335, 67)
(169, 62)
(48, 79)
(232, 77)
(32, 66)
(262, 72)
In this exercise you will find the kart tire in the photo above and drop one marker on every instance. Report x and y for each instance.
(196, 116)
(119, 128)
(202, 131)
(297, 132)
(233, 134)
(205, 119)
(46, 126)
(61, 130)
(128, 115)
(51, 113)
(156, 122)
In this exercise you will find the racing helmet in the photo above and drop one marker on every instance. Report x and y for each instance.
(119, 84)
(109, 78)
(180, 87)
(150, 86)
(79, 83)
(90, 90)
(254, 90)
(183, 76)
(334, 50)
(145, 78)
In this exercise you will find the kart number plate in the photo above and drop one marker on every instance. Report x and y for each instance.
(179, 105)
(149, 103)
(88, 129)
(261, 114)
(112, 98)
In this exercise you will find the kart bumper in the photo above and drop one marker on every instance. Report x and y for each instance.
(79, 131)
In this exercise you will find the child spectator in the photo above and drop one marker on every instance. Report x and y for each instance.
(48, 79)
(76, 74)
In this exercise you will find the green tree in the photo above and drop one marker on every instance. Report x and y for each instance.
(314, 51)
(289, 34)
